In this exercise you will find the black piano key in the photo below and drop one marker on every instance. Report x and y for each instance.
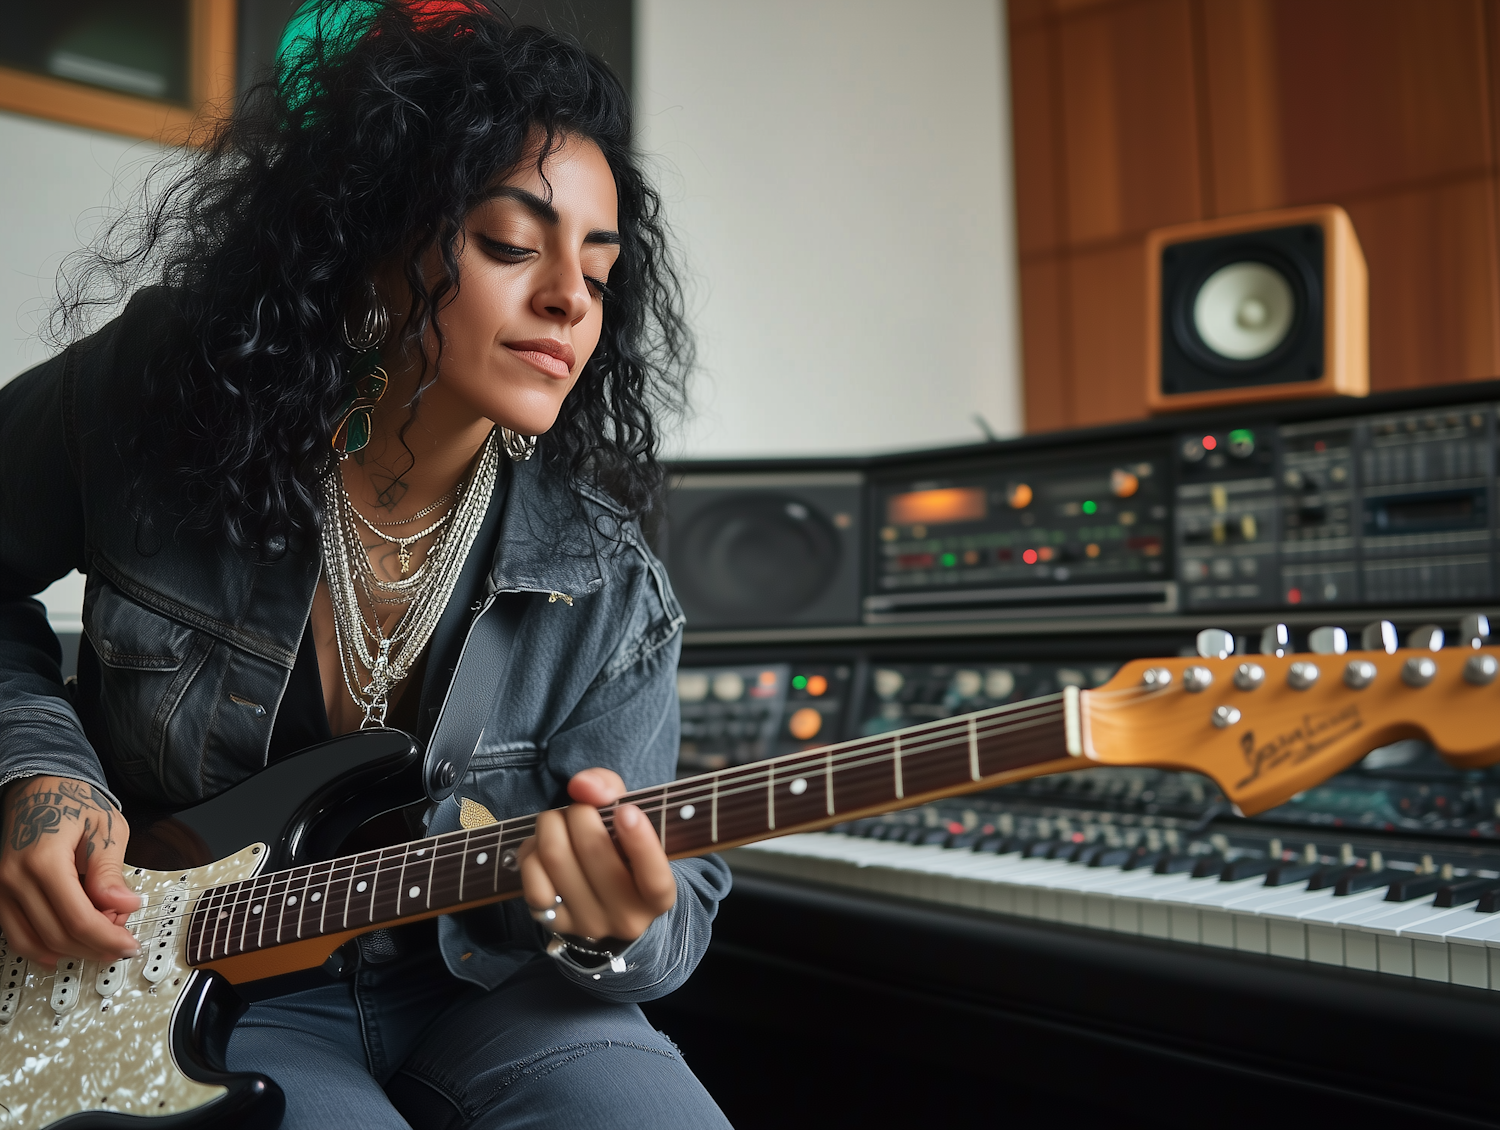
(1461, 891)
(1410, 887)
(963, 841)
(1362, 879)
(1330, 876)
(1091, 853)
(1489, 902)
(1285, 874)
(993, 845)
(1142, 859)
(1111, 857)
(1039, 849)
(933, 836)
(1244, 868)
(1176, 864)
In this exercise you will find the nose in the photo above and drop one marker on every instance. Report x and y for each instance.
(563, 293)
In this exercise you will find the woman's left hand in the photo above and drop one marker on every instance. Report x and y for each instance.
(607, 891)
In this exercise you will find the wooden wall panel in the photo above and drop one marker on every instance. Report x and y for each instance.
(1037, 140)
(1432, 314)
(1241, 104)
(1129, 119)
(1378, 94)
(1049, 400)
(1107, 332)
(1161, 111)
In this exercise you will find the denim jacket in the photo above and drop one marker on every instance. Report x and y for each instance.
(189, 645)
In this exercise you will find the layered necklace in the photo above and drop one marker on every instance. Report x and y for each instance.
(373, 662)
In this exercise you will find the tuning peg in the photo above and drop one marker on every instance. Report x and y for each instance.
(1215, 643)
(1379, 636)
(1428, 637)
(1328, 641)
(1276, 640)
(1481, 670)
(1475, 628)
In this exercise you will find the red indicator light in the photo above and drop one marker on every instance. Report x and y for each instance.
(1209, 443)
(955, 827)
(1294, 596)
(1029, 557)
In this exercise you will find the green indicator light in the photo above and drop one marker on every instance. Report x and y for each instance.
(1242, 435)
(799, 682)
(1090, 507)
(949, 560)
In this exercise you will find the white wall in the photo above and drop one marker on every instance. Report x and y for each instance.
(56, 184)
(838, 173)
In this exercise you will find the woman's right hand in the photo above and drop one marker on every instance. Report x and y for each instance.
(62, 884)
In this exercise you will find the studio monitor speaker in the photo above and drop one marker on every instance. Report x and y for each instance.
(1260, 307)
(764, 549)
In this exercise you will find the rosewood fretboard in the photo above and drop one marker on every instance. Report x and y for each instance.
(795, 793)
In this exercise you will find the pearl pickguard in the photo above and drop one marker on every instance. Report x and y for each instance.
(109, 1052)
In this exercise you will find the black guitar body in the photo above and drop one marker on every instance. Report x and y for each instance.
(304, 809)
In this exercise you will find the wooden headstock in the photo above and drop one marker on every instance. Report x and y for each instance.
(1266, 739)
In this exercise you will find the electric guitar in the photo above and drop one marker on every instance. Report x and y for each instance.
(242, 887)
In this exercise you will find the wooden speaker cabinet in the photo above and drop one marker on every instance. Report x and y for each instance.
(1268, 306)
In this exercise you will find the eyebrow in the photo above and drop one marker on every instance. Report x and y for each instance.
(544, 211)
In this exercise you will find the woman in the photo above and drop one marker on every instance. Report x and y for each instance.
(415, 318)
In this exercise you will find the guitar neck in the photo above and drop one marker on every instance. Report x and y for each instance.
(798, 792)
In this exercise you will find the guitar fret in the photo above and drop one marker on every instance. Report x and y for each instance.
(745, 803)
(828, 779)
(900, 792)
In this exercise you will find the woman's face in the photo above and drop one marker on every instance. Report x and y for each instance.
(532, 269)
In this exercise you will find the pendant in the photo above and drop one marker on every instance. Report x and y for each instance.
(405, 555)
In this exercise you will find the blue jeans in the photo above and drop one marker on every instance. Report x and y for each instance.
(407, 1046)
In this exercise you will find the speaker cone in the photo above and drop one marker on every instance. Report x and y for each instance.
(1244, 311)
(755, 557)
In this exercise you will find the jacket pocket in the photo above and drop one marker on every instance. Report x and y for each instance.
(146, 662)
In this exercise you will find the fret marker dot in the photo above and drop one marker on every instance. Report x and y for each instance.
(223, 914)
(360, 886)
(481, 857)
(291, 900)
(414, 892)
(799, 786)
(255, 909)
(315, 896)
(421, 852)
(686, 811)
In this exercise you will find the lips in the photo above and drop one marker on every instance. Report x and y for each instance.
(555, 358)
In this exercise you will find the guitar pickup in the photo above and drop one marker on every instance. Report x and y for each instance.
(111, 977)
(65, 985)
(159, 957)
(11, 986)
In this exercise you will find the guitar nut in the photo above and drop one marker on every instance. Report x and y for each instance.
(1359, 674)
(1418, 672)
(1301, 675)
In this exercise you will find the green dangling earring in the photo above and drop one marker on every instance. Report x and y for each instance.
(367, 380)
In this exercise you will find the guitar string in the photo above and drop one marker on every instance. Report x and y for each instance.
(241, 896)
(756, 779)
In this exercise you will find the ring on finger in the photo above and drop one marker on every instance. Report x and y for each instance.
(548, 914)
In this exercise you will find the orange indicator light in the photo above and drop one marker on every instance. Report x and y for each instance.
(1019, 497)
(1045, 553)
(768, 678)
(805, 724)
(1092, 549)
(817, 685)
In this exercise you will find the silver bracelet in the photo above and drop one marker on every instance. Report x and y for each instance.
(559, 944)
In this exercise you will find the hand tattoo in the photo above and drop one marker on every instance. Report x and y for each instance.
(41, 812)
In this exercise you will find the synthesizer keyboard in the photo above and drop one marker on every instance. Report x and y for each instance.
(1396, 908)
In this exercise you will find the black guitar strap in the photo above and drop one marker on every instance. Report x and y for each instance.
(482, 667)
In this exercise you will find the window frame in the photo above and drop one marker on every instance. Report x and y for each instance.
(211, 59)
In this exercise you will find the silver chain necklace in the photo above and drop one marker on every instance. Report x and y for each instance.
(403, 545)
(373, 663)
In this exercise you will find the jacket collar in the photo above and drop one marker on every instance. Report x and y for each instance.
(551, 537)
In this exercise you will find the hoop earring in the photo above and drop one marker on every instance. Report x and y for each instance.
(520, 448)
(373, 325)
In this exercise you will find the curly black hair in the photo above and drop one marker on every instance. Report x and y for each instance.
(363, 151)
